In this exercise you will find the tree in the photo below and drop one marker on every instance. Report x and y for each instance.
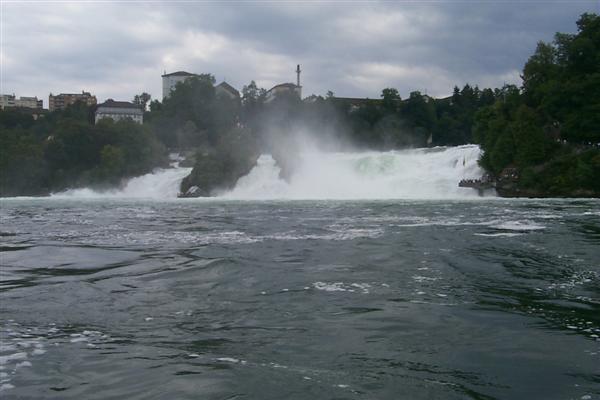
(487, 97)
(419, 111)
(250, 94)
(142, 100)
(155, 106)
(530, 142)
(502, 153)
(391, 99)
(538, 71)
(64, 150)
(22, 165)
(253, 99)
(192, 100)
(456, 96)
(112, 163)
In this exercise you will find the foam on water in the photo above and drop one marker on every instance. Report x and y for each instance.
(501, 234)
(231, 360)
(338, 233)
(342, 287)
(524, 225)
(23, 347)
(19, 345)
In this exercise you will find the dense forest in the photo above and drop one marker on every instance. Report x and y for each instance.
(545, 133)
(548, 131)
(65, 149)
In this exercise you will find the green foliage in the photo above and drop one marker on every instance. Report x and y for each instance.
(142, 100)
(390, 99)
(538, 72)
(192, 100)
(112, 163)
(219, 168)
(568, 174)
(531, 145)
(22, 165)
(12, 118)
(194, 114)
(561, 81)
(63, 150)
(560, 99)
(502, 152)
(392, 123)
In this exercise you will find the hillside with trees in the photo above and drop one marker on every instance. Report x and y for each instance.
(65, 149)
(547, 134)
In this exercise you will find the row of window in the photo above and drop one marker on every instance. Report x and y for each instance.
(134, 116)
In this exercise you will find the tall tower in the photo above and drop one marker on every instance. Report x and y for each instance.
(299, 88)
(298, 75)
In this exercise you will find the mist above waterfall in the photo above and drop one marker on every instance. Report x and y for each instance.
(426, 173)
(302, 165)
(297, 164)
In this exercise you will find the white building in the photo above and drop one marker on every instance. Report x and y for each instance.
(286, 88)
(283, 89)
(10, 100)
(7, 100)
(119, 110)
(169, 81)
(30, 102)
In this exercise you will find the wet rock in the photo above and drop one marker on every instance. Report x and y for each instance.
(218, 169)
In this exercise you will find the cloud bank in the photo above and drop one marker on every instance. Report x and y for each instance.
(354, 49)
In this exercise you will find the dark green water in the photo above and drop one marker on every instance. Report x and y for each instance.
(300, 300)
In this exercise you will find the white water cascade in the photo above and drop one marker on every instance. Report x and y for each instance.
(428, 173)
(162, 183)
(431, 173)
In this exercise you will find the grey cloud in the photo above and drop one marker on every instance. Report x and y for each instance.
(353, 49)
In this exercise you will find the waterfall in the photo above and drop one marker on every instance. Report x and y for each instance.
(162, 183)
(428, 173)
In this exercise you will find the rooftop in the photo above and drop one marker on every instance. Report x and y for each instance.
(356, 99)
(286, 85)
(229, 88)
(83, 93)
(119, 104)
(178, 73)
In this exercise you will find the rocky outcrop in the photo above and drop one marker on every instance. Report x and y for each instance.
(219, 168)
(215, 172)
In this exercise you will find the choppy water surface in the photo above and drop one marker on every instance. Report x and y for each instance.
(113, 299)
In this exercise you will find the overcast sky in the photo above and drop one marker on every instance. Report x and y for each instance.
(353, 48)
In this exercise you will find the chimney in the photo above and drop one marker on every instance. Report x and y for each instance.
(298, 75)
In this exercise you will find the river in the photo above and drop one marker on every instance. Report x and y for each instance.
(112, 297)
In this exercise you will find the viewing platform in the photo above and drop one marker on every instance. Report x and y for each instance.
(481, 185)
